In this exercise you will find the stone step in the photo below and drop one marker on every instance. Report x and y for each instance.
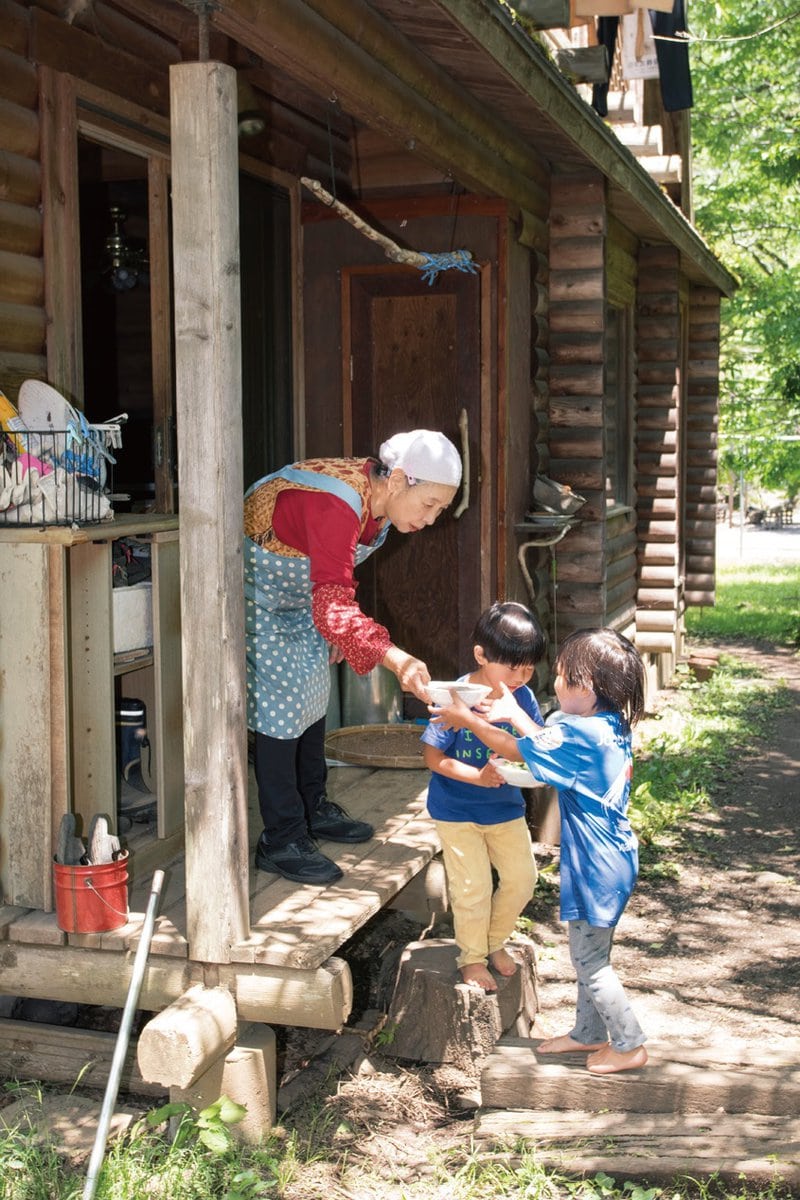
(651, 1147)
(724, 1076)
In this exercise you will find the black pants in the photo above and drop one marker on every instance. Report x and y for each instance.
(291, 775)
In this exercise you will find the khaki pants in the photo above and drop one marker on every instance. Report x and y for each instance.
(484, 920)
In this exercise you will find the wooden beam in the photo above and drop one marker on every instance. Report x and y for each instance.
(59, 134)
(320, 998)
(32, 1050)
(205, 206)
(383, 82)
(20, 229)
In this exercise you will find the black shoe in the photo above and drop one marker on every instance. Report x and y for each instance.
(300, 861)
(329, 820)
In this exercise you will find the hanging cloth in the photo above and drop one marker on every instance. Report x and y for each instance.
(673, 59)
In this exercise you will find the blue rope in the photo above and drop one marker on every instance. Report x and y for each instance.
(456, 260)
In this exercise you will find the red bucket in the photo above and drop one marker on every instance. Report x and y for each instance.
(91, 899)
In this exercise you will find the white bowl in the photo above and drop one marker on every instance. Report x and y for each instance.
(515, 772)
(471, 693)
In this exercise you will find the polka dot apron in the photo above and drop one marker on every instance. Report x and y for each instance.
(288, 669)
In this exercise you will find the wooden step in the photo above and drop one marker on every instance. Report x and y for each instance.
(664, 168)
(643, 140)
(676, 1080)
(624, 107)
(651, 1147)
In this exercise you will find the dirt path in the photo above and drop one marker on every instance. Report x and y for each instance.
(715, 951)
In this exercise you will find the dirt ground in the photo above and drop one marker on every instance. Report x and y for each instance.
(713, 952)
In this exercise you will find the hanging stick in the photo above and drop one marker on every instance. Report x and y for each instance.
(429, 264)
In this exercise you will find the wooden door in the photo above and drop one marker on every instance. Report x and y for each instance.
(413, 359)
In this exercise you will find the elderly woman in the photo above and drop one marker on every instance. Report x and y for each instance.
(307, 527)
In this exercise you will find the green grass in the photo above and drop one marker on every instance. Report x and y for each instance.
(683, 755)
(754, 603)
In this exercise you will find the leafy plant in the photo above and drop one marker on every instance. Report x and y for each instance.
(211, 1127)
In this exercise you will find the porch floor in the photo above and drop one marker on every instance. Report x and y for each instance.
(291, 925)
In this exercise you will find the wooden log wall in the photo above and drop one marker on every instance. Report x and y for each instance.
(702, 405)
(23, 324)
(577, 295)
(621, 564)
(528, 306)
(658, 349)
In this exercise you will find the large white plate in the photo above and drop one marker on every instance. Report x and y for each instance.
(516, 773)
(42, 407)
(470, 693)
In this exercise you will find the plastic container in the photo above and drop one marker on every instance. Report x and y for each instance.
(91, 899)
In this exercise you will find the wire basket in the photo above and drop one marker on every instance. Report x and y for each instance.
(57, 476)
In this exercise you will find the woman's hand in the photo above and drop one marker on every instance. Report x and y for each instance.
(336, 655)
(412, 673)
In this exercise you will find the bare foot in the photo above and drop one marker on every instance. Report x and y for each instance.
(478, 974)
(608, 1060)
(502, 962)
(567, 1045)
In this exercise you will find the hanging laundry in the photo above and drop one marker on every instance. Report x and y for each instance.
(673, 58)
(672, 55)
(639, 59)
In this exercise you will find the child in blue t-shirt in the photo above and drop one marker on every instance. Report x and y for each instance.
(586, 754)
(480, 819)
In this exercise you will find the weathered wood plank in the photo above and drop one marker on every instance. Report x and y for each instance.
(516, 1076)
(652, 1148)
(59, 1054)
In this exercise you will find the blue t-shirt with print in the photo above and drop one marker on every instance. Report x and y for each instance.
(454, 800)
(589, 761)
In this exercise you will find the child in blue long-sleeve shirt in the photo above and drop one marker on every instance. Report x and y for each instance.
(586, 754)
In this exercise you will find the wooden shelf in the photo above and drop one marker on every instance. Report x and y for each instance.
(132, 660)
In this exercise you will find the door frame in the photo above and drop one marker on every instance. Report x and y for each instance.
(71, 108)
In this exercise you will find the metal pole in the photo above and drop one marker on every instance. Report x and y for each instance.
(123, 1037)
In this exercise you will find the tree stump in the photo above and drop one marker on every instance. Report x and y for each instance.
(703, 663)
(433, 1017)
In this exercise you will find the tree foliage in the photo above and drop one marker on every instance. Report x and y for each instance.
(746, 140)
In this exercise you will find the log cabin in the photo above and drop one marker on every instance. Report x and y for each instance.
(163, 254)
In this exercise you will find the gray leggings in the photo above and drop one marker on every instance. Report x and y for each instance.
(602, 1010)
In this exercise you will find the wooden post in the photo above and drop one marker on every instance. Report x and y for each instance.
(205, 206)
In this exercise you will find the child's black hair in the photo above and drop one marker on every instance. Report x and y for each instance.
(509, 634)
(606, 662)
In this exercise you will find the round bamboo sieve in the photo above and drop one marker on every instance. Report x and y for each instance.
(395, 745)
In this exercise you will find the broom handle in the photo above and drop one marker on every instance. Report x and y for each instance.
(123, 1037)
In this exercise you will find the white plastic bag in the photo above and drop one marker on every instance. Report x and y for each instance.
(639, 59)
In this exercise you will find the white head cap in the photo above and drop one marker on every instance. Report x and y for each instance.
(423, 454)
